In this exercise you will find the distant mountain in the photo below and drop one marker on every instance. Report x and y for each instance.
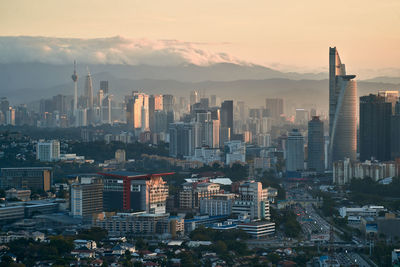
(384, 79)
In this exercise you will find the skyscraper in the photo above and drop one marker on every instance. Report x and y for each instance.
(226, 124)
(89, 91)
(275, 107)
(75, 79)
(104, 86)
(342, 110)
(295, 151)
(375, 116)
(316, 143)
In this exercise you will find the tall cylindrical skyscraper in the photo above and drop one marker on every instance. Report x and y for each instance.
(342, 111)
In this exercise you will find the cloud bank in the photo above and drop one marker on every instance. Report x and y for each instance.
(113, 50)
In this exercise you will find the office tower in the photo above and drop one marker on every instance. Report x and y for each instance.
(33, 178)
(10, 116)
(227, 114)
(155, 104)
(226, 120)
(294, 151)
(204, 102)
(82, 117)
(168, 107)
(275, 107)
(87, 197)
(48, 150)
(75, 79)
(316, 143)
(253, 201)
(213, 100)
(137, 111)
(391, 97)
(301, 116)
(59, 103)
(89, 91)
(375, 116)
(194, 97)
(160, 121)
(104, 87)
(131, 191)
(100, 97)
(181, 139)
(168, 103)
(342, 110)
(395, 133)
(106, 109)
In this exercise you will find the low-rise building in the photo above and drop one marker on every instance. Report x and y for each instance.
(258, 229)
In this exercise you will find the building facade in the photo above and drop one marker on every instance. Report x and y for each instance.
(342, 110)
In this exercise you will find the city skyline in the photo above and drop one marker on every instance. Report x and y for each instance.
(297, 44)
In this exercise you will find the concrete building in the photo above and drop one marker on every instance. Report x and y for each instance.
(47, 151)
(346, 170)
(235, 152)
(375, 118)
(252, 201)
(192, 193)
(342, 110)
(294, 151)
(140, 223)
(32, 178)
(86, 197)
(258, 229)
(182, 139)
(218, 204)
(131, 191)
(274, 107)
(316, 143)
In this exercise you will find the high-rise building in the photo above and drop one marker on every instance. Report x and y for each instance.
(252, 201)
(316, 143)
(89, 91)
(137, 111)
(104, 86)
(75, 79)
(301, 116)
(375, 117)
(87, 197)
(194, 97)
(130, 191)
(275, 107)
(295, 151)
(155, 104)
(227, 114)
(391, 97)
(182, 139)
(395, 133)
(342, 110)
(48, 150)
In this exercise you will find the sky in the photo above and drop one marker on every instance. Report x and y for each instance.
(289, 35)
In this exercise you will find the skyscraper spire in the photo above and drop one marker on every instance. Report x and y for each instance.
(75, 79)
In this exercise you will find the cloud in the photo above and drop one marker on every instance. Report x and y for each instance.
(113, 50)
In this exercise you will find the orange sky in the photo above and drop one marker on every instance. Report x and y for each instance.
(288, 34)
